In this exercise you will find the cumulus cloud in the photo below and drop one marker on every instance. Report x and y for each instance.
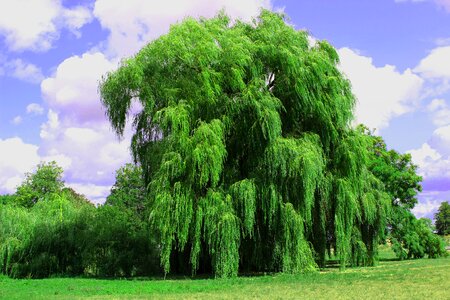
(429, 203)
(34, 25)
(95, 152)
(95, 193)
(72, 90)
(135, 22)
(35, 109)
(382, 92)
(436, 64)
(434, 166)
(76, 130)
(440, 140)
(90, 155)
(433, 157)
(16, 158)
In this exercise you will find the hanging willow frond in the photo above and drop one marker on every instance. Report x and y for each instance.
(246, 146)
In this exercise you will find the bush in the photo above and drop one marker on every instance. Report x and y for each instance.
(63, 235)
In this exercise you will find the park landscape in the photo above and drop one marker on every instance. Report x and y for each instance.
(249, 179)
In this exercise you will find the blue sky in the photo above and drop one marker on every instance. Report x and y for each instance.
(396, 53)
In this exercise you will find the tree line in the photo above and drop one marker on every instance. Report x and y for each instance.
(245, 161)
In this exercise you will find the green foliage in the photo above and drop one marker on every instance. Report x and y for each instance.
(63, 236)
(118, 245)
(414, 238)
(395, 170)
(7, 199)
(63, 233)
(129, 192)
(43, 240)
(411, 238)
(245, 144)
(442, 218)
(38, 185)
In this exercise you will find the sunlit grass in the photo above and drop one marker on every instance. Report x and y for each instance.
(412, 279)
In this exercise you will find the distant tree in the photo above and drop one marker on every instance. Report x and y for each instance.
(129, 190)
(47, 179)
(414, 238)
(246, 145)
(442, 218)
(411, 238)
(397, 171)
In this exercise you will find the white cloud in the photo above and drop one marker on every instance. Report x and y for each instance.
(76, 18)
(25, 71)
(16, 158)
(94, 151)
(134, 23)
(72, 90)
(382, 92)
(440, 112)
(34, 25)
(95, 193)
(35, 109)
(17, 120)
(20, 69)
(440, 140)
(436, 64)
(77, 130)
(424, 155)
(90, 154)
(50, 126)
(428, 205)
(433, 159)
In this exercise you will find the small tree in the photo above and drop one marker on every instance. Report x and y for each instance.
(442, 218)
(38, 185)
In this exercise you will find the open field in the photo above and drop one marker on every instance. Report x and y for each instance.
(413, 279)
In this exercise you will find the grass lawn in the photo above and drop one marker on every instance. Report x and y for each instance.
(414, 279)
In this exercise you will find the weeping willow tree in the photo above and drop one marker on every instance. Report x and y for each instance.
(246, 147)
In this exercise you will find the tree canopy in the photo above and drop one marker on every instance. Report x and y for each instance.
(45, 181)
(442, 218)
(395, 170)
(410, 237)
(245, 143)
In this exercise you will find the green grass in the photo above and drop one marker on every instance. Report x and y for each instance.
(385, 252)
(413, 279)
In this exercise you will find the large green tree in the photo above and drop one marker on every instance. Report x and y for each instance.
(245, 142)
